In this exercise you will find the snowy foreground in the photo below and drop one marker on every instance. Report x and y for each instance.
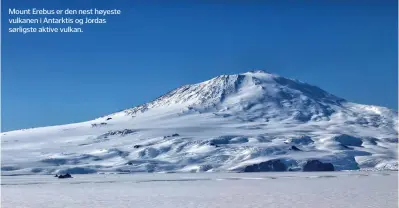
(228, 123)
(290, 189)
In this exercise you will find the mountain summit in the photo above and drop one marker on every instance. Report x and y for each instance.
(228, 123)
(260, 96)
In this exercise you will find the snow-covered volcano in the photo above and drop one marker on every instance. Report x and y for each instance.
(227, 123)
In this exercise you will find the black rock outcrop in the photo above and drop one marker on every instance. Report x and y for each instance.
(316, 165)
(65, 176)
(268, 166)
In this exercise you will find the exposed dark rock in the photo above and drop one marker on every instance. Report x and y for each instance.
(99, 124)
(173, 135)
(120, 132)
(264, 139)
(109, 119)
(302, 140)
(295, 148)
(65, 176)
(137, 146)
(221, 140)
(316, 165)
(370, 140)
(346, 147)
(268, 166)
(119, 152)
(204, 168)
(390, 140)
(348, 140)
(213, 144)
(229, 139)
(116, 133)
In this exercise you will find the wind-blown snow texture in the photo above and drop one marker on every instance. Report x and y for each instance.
(223, 124)
(208, 190)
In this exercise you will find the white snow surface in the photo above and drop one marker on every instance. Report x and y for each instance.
(355, 189)
(219, 125)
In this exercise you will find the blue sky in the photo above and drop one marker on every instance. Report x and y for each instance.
(348, 48)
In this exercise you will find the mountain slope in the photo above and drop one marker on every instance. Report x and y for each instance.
(223, 124)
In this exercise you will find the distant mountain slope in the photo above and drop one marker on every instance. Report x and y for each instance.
(227, 123)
